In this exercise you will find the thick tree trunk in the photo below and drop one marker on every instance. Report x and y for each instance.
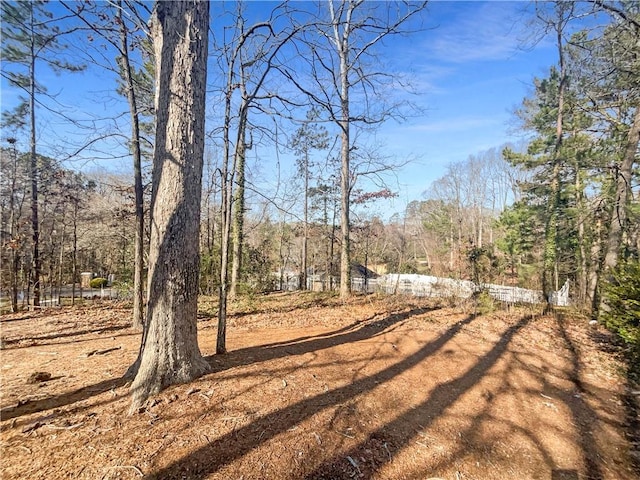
(170, 352)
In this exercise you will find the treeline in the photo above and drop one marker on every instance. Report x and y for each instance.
(87, 223)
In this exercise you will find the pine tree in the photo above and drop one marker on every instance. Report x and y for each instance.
(309, 136)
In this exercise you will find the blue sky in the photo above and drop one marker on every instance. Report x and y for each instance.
(469, 68)
(476, 67)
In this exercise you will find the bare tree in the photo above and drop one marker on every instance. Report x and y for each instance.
(12, 198)
(169, 352)
(249, 59)
(336, 50)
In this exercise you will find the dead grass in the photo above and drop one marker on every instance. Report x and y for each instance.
(317, 388)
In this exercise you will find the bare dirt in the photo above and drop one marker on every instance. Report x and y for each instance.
(317, 388)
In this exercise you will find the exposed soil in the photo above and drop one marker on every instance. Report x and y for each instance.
(317, 388)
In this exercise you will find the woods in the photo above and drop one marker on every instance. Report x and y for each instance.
(306, 83)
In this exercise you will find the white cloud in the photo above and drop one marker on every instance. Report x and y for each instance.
(476, 32)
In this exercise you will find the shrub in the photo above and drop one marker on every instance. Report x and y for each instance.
(98, 282)
(485, 303)
(622, 296)
(124, 290)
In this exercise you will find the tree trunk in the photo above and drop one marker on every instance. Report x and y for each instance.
(138, 297)
(583, 268)
(74, 255)
(61, 261)
(550, 259)
(239, 206)
(170, 352)
(342, 45)
(618, 218)
(35, 275)
(305, 233)
(13, 226)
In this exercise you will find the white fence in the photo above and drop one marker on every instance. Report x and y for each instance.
(429, 286)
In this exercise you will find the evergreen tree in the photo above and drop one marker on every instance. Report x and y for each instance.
(308, 137)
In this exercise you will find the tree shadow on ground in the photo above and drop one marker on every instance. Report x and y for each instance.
(39, 340)
(57, 401)
(28, 316)
(315, 300)
(354, 332)
(424, 414)
(444, 395)
(583, 415)
(215, 455)
(609, 342)
(220, 363)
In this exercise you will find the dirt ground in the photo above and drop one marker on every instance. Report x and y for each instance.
(317, 388)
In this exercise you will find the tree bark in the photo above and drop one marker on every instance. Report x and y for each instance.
(13, 229)
(341, 40)
(170, 352)
(239, 203)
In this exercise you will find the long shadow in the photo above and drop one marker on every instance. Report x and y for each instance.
(608, 342)
(263, 353)
(210, 458)
(10, 343)
(219, 363)
(308, 303)
(61, 400)
(475, 437)
(28, 317)
(584, 417)
(443, 396)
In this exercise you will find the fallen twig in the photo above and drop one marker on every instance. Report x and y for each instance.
(32, 427)
(102, 352)
(56, 427)
(353, 462)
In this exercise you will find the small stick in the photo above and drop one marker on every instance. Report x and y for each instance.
(56, 427)
(102, 352)
(353, 462)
